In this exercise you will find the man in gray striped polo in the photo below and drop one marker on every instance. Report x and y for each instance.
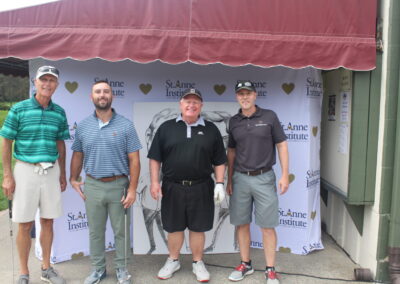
(107, 146)
(39, 127)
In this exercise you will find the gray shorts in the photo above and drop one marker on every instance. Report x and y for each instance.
(260, 190)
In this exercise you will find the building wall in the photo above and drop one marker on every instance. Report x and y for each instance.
(362, 247)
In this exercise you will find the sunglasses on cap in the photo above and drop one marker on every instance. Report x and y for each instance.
(45, 69)
(244, 84)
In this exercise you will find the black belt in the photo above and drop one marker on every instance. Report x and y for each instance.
(256, 172)
(186, 182)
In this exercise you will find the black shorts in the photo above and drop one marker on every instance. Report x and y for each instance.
(187, 206)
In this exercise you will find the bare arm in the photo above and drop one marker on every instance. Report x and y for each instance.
(283, 153)
(155, 187)
(61, 163)
(231, 159)
(219, 172)
(76, 168)
(8, 178)
(134, 172)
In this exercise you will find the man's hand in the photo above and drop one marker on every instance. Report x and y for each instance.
(8, 186)
(284, 184)
(229, 189)
(129, 199)
(219, 193)
(155, 190)
(77, 186)
(63, 182)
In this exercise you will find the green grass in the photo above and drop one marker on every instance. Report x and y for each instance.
(3, 199)
(3, 114)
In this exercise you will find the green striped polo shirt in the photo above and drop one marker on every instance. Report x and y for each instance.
(35, 130)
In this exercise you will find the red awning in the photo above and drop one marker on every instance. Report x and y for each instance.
(321, 33)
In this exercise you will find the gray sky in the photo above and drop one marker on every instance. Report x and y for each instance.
(16, 4)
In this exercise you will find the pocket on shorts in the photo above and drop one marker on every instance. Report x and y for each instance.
(234, 176)
(270, 177)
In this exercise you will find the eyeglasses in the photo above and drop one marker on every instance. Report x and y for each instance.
(44, 69)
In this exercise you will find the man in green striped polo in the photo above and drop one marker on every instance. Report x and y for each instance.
(39, 127)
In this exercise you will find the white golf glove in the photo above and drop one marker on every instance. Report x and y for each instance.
(41, 169)
(219, 193)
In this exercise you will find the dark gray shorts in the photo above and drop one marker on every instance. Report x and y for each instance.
(258, 190)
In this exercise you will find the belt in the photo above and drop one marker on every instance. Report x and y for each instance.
(34, 164)
(185, 182)
(257, 172)
(107, 179)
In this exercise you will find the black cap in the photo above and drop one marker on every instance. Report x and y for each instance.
(192, 91)
(247, 85)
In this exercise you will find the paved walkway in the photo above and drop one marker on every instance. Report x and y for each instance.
(331, 262)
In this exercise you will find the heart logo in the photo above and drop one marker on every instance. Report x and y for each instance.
(77, 255)
(315, 131)
(145, 88)
(313, 214)
(283, 249)
(219, 89)
(71, 86)
(291, 178)
(288, 88)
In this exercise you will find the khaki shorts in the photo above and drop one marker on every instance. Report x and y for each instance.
(33, 191)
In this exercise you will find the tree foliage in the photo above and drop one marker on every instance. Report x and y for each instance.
(13, 89)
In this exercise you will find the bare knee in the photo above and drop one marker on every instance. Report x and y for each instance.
(245, 227)
(268, 232)
(47, 224)
(25, 228)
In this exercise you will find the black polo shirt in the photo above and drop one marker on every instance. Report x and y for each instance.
(254, 139)
(186, 158)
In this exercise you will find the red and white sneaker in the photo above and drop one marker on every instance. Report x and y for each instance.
(271, 276)
(240, 272)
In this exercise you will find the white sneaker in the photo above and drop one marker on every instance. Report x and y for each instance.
(201, 272)
(168, 269)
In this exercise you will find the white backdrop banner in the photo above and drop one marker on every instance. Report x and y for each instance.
(148, 94)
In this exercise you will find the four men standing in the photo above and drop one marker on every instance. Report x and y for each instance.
(187, 150)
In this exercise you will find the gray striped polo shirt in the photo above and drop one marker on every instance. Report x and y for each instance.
(105, 149)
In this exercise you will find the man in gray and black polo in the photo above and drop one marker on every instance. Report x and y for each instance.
(254, 133)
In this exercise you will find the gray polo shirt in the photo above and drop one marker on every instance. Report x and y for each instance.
(254, 139)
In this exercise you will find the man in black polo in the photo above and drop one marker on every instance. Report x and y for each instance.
(189, 149)
(253, 135)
